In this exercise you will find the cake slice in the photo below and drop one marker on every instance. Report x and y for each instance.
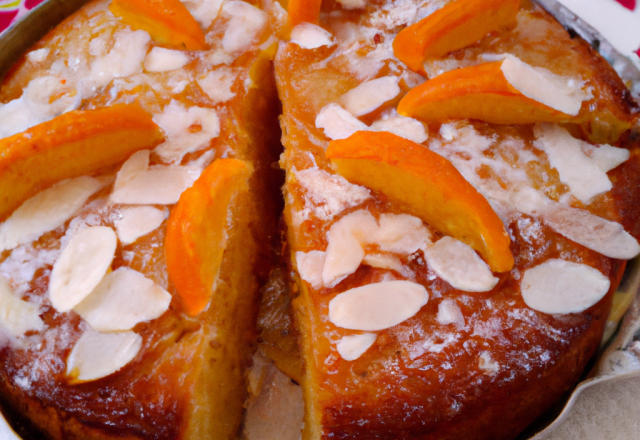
(138, 213)
(454, 228)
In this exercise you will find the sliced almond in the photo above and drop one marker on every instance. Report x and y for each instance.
(81, 266)
(402, 126)
(352, 347)
(46, 211)
(459, 265)
(605, 156)
(487, 364)
(377, 306)
(159, 185)
(160, 59)
(16, 315)
(401, 234)
(187, 130)
(345, 252)
(370, 95)
(559, 93)
(558, 286)
(123, 299)
(338, 123)
(245, 26)
(138, 221)
(387, 261)
(449, 313)
(603, 236)
(310, 265)
(97, 355)
(581, 173)
(217, 84)
(310, 36)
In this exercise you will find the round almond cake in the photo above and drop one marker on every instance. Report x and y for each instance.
(461, 184)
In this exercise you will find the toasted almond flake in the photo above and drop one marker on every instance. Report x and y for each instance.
(137, 184)
(487, 364)
(97, 355)
(138, 221)
(338, 123)
(402, 126)
(16, 315)
(344, 251)
(187, 130)
(310, 265)
(160, 59)
(605, 156)
(124, 59)
(123, 299)
(387, 261)
(401, 234)
(81, 266)
(46, 211)
(351, 348)
(377, 306)
(329, 194)
(560, 93)
(204, 11)
(353, 4)
(370, 95)
(310, 36)
(558, 286)
(39, 55)
(581, 173)
(245, 26)
(217, 84)
(603, 236)
(459, 265)
(449, 313)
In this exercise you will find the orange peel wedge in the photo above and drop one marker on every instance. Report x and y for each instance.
(454, 26)
(73, 144)
(428, 185)
(197, 228)
(303, 11)
(478, 92)
(168, 22)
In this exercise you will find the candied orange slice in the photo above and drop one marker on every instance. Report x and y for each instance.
(456, 25)
(196, 231)
(301, 11)
(428, 185)
(167, 21)
(477, 92)
(71, 145)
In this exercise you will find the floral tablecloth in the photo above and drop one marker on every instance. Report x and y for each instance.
(12, 10)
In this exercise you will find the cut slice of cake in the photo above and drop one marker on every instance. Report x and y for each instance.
(458, 215)
(138, 212)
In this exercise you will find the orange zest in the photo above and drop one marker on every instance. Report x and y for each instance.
(477, 92)
(428, 185)
(71, 145)
(456, 25)
(167, 21)
(303, 11)
(197, 231)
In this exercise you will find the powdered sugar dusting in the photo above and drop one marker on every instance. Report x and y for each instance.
(328, 194)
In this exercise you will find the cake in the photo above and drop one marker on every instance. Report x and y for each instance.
(459, 204)
(138, 212)
(445, 225)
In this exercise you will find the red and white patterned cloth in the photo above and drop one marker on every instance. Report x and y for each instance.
(13, 10)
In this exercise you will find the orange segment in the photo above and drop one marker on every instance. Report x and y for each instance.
(301, 11)
(167, 21)
(456, 25)
(430, 187)
(196, 231)
(71, 145)
(477, 92)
